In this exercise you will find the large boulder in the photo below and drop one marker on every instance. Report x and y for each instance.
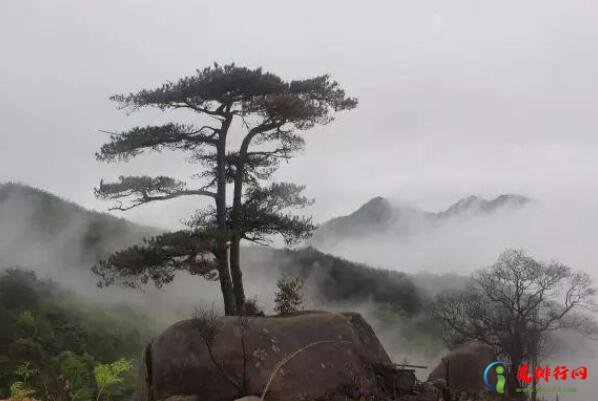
(338, 352)
(462, 369)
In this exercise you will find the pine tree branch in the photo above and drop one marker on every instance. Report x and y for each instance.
(170, 136)
(144, 189)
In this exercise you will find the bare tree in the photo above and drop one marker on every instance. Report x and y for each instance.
(516, 305)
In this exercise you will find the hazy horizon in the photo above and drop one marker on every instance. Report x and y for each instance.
(455, 99)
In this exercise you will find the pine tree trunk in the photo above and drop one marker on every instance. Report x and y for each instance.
(221, 248)
(225, 282)
(237, 274)
(236, 224)
(235, 248)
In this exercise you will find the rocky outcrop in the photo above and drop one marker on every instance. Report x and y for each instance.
(462, 369)
(325, 354)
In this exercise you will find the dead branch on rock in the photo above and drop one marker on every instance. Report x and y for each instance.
(208, 325)
(287, 358)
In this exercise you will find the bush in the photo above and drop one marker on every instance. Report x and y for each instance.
(252, 308)
(110, 375)
(19, 391)
(289, 296)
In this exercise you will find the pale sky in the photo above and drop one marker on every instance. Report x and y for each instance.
(456, 97)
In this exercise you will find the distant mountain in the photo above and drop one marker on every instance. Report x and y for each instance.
(61, 241)
(40, 230)
(37, 227)
(380, 215)
(476, 205)
(376, 214)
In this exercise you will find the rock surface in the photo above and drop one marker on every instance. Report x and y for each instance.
(462, 369)
(340, 358)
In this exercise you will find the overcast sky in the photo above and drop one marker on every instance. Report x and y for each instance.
(456, 97)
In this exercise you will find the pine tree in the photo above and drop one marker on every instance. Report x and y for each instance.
(288, 297)
(271, 114)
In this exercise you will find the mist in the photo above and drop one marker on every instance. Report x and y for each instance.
(438, 258)
(548, 229)
(562, 228)
(455, 98)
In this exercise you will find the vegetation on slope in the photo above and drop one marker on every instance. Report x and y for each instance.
(395, 302)
(48, 335)
(32, 215)
(342, 281)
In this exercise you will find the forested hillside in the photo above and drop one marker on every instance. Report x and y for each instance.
(49, 334)
(339, 281)
(51, 323)
(32, 218)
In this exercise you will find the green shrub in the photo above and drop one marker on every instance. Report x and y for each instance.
(109, 376)
(289, 296)
(20, 391)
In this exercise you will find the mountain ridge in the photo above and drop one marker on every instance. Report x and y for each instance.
(38, 223)
(379, 214)
(48, 217)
